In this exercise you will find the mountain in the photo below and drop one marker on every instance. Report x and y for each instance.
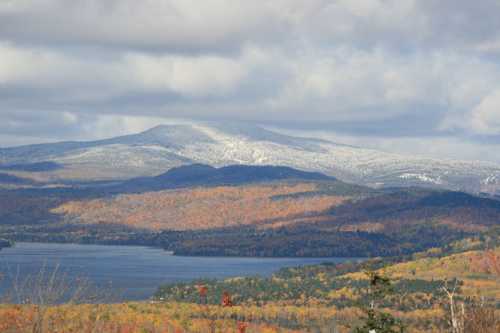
(200, 210)
(205, 175)
(31, 167)
(13, 180)
(161, 148)
(247, 210)
(38, 205)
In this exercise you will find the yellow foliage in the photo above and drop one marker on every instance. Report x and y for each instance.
(469, 267)
(201, 208)
(344, 292)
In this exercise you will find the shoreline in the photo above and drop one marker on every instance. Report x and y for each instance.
(171, 253)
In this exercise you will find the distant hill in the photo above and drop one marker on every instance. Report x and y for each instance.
(205, 175)
(274, 211)
(14, 180)
(161, 148)
(248, 210)
(31, 167)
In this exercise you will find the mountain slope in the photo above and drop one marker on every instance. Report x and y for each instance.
(154, 151)
(205, 175)
(217, 214)
(13, 180)
(247, 211)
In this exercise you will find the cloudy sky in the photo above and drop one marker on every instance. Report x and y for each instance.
(412, 76)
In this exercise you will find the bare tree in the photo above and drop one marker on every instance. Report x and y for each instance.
(47, 287)
(481, 319)
(457, 311)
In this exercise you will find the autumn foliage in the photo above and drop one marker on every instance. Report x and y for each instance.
(321, 298)
(134, 318)
(202, 208)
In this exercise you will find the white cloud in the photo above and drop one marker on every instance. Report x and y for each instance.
(206, 75)
(491, 46)
(485, 117)
(366, 62)
(336, 84)
(29, 65)
(188, 75)
(438, 147)
(347, 84)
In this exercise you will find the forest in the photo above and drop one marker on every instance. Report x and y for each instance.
(301, 218)
(455, 289)
(423, 260)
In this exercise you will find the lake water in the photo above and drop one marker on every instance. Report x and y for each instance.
(133, 272)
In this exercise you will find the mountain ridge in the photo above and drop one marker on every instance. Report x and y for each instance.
(163, 147)
(205, 175)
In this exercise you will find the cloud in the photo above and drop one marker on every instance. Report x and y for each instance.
(192, 76)
(437, 147)
(190, 25)
(369, 68)
(174, 25)
(54, 70)
(342, 84)
(486, 115)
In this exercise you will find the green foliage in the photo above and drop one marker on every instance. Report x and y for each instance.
(300, 285)
(378, 321)
(380, 286)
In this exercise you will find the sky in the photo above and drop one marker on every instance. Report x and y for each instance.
(410, 76)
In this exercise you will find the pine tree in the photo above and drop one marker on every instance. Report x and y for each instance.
(377, 321)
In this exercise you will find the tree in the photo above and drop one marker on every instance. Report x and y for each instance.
(376, 320)
(202, 292)
(457, 311)
(226, 300)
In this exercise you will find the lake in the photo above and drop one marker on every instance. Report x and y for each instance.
(132, 272)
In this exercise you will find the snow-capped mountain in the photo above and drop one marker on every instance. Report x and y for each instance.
(163, 147)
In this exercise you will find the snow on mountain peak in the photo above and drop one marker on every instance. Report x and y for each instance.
(218, 144)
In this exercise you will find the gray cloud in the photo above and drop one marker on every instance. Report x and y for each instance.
(218, 24)
(370, 68)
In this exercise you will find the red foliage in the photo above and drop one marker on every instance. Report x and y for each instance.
(486, 262)
(242, 327)
(226, 299)
(202, 290)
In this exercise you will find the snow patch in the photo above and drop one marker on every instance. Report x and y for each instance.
(422, 177)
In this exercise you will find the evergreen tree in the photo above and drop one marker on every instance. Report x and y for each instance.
(378, 321)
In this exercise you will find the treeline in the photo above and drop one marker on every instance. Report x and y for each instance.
(303, 241)
(310, 241)
(399, 208)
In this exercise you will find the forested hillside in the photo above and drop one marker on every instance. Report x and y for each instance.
(424, 292)
(247, 211)
(416, 292)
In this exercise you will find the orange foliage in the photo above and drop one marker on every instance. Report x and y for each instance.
(486, 262)
(127, 318)
(201, 208)
(242, 327)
